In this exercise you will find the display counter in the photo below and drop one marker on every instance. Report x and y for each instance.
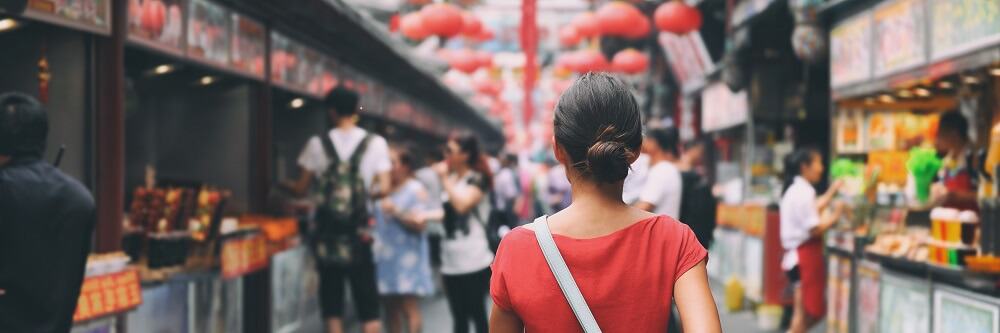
(747, 247)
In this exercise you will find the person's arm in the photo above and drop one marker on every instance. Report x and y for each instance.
(695, 302)
(827, 221)
(503, 321)
(653, 190)
(825, 199)
(462, 201)
(299, 186)
(381, 185)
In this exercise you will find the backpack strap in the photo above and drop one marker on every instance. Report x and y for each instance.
(563, 276)
(359, 152)
(331, 150)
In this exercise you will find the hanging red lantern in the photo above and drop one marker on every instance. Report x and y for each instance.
(464, 60)
(442, 19)
(569, 36)
(617, 18)
(484, 59)
(640, 29)
(154, 13)
(586, 25)
(412, 26)
(677, 17)
(394, 23)
(485, 34)
(471, 25)
(591, 61)
(630, 61)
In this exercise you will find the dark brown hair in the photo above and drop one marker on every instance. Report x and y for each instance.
(477, 160)
(597, 123)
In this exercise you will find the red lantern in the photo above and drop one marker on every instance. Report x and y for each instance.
(485, 35)
(591, 61)
(677, 17)
(394, 23)
(464, 60)
(569, 36)
(153, 15)
(484, 59)
(586, 25)
(630, 61)
(442, 19)
(617, 18)
(471, 25)
(640, 29)
(412, 26)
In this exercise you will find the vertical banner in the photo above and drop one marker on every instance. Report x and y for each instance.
(529, 45)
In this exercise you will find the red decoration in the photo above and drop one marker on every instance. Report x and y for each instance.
(529, 45)
(640, 29)
(154, 13)
(586, 25)
(617, 18)
(569, 36)
(485, 59)
(677, 17)
(471, 25)
(485, 35)
(583, 61)
(394, 23)
(630, 61)
(412, 26)
(464, 60)
(442, 19)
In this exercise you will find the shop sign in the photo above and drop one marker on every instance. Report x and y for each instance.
(243, 255)
(108, 294)
(850, 50)
(900, 36)
(286, 55)
(311, 72)
(157, 23)
(689, 60)
(721, 108)
(959, 26)
(208, 32)
(88, 15)
(247, 51)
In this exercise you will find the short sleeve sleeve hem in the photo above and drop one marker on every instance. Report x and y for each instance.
(691, 253)
(313, 158)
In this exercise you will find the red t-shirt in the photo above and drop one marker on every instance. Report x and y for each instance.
(626, 277)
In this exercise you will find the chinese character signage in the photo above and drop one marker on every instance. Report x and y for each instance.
(960, 26)
(208, 32)
(88, 15)
(900, 35)
(108, 294)
(850, 50)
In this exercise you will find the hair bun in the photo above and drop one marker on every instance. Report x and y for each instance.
(607, 161)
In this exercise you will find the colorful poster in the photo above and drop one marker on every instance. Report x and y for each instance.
(900, 36)
(87, 15)
(851, 50)
(959, 26)
(881, 131)
(247, 50)
(959, 311)
(891, 166)
(904, 305)
(157, 23)
(687, 56)
(850, 127)
(208, 32)
(285, 58)
(868, 294)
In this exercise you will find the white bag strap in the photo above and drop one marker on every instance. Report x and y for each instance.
(563, 276)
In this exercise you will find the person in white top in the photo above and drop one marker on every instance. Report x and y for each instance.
(662, 192)
(802, 226)
(465, 253)
(373, 169)
(638, 172)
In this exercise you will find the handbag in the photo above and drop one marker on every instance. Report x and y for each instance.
(563, 276)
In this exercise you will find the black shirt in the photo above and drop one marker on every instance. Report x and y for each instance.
(46, 222)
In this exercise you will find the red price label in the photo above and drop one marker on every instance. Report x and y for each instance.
(108, 294)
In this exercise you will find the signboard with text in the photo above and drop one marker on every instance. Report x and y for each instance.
(959, 26)
(87, 15)
(247, 48)
(243, 255)
(850, 50)
(208, 32)
(157, 24)
(900, 36)
(721, 108)
(108, 294)
(689, 60)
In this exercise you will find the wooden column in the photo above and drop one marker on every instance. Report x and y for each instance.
(109, 125)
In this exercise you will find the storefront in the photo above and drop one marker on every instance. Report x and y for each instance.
(895, 67)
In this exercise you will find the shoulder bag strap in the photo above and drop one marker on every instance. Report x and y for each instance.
(563, 276)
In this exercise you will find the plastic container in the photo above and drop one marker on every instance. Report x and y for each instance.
(769, 317)
(969, 223)
(734, 294)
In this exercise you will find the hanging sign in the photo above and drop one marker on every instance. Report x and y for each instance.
(247, 49)
(88, 15)
(157, 23)
(244, 254)
(900, 36)
(108, 294)
(687, 56)
(721, 108)
(208, 32)
(959, 26)
(850, 50)
(286, 55)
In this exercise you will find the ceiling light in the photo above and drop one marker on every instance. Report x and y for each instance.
(886, 98)
(297, 103)
(904, 94)
(206, 80)
(970, 79)
(995, 71)
(8, 23)
(945, 85)
(922, 92)
(163, 69)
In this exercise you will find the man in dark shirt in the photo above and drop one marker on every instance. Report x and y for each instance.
(46, 221)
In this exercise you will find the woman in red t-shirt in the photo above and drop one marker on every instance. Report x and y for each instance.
(629, 264)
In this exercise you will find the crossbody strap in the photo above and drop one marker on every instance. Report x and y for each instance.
(563, 276)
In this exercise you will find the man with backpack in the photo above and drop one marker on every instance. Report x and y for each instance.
(350, 167)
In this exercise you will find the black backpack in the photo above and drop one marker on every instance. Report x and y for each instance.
(698, 206)
(342, 217)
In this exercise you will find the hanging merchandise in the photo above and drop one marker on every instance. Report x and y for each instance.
(442, 19)
(809, 42)
(677, 17)
(617, 18)
(630, 61)
(412, 26)
(586, 24)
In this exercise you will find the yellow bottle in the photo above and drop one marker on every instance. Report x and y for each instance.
(992, 160)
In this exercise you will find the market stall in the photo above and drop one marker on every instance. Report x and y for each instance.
(896, 68)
